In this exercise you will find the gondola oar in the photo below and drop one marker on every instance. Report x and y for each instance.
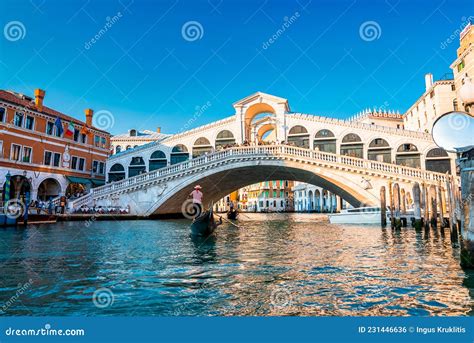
(228, 221)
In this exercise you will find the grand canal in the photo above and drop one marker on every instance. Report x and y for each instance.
(271, 265)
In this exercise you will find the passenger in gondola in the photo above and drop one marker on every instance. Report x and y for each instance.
(197, 195)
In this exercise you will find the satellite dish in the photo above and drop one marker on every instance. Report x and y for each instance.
(454, 132)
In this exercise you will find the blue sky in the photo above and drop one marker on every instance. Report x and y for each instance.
(148, 73)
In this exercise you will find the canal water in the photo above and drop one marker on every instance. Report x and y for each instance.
(274, 264)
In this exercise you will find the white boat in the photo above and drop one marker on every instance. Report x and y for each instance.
(358, 215)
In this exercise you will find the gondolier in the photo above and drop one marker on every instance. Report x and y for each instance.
(197, 195)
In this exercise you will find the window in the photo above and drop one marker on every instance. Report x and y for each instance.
(453, 87)
(57, 133)
(83, 138)
(26, 154)
(96, 140)
(455, 104)
(2, 114)
(432, 93)
(74, 162)
(56, 159)
(76, 135)
(82, 163)
(102, 142)
(30, 123)
(52, 158)
(95, 166)
(18, 120)
(1, 149)
(101, 167)
(47, 157)
(461, 65)
(15, 153)
(49, 128)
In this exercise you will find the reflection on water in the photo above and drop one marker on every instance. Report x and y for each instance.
(273, 265)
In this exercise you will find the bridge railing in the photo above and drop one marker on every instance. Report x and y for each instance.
(263, 151)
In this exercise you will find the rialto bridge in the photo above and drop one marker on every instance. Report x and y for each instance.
(350, 159)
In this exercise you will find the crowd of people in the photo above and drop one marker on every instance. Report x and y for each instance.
(84, 209)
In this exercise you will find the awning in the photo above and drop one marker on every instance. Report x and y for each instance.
(83, 180)
(97, 182)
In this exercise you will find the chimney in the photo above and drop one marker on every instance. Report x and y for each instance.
(39, 96)
(158, 129)
(89, 114)
(428, 81)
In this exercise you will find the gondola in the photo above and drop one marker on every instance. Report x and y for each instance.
(232, 214)
(205, 224)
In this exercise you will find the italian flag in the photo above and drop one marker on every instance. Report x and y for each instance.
(70, 129)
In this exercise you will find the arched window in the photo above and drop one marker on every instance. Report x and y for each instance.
(128, 147)
(324, 140)
(136, 167)
(118, 149)
(225, 137)
(298, 136)
(201, 146)
(438, 160)
(179, 153)
(157, 160)
(133, 133)
(116, 172)
(379, 150)
(352, 146)
(408, 155)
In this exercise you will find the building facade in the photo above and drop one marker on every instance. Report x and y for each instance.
(47, 153)
(267, 196)
(311, 198)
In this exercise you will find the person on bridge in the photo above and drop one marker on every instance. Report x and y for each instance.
(196, 194)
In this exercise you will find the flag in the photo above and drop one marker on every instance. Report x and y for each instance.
(84, 130)
(59, 126)
(70, 129)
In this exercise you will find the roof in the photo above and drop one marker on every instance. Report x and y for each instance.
(141, 135)
(29, 103)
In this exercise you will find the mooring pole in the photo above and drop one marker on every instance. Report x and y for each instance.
(452, 216)
(425, 202)
(441, 206)
(433, 207)
(383, 207)
(396, 199)
(416, 202)
(403, 208)
(390, 194)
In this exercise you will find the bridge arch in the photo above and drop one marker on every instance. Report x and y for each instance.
(116, 173)
(325, 141)
(352, 145)
(157, 160)
(379, 150)
(298, 136)
(137, 166)
(201, 146)
(438, 160)
(179, 153)
(217, 183)
(408, 155)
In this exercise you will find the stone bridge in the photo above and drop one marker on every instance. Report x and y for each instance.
(165, 190)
